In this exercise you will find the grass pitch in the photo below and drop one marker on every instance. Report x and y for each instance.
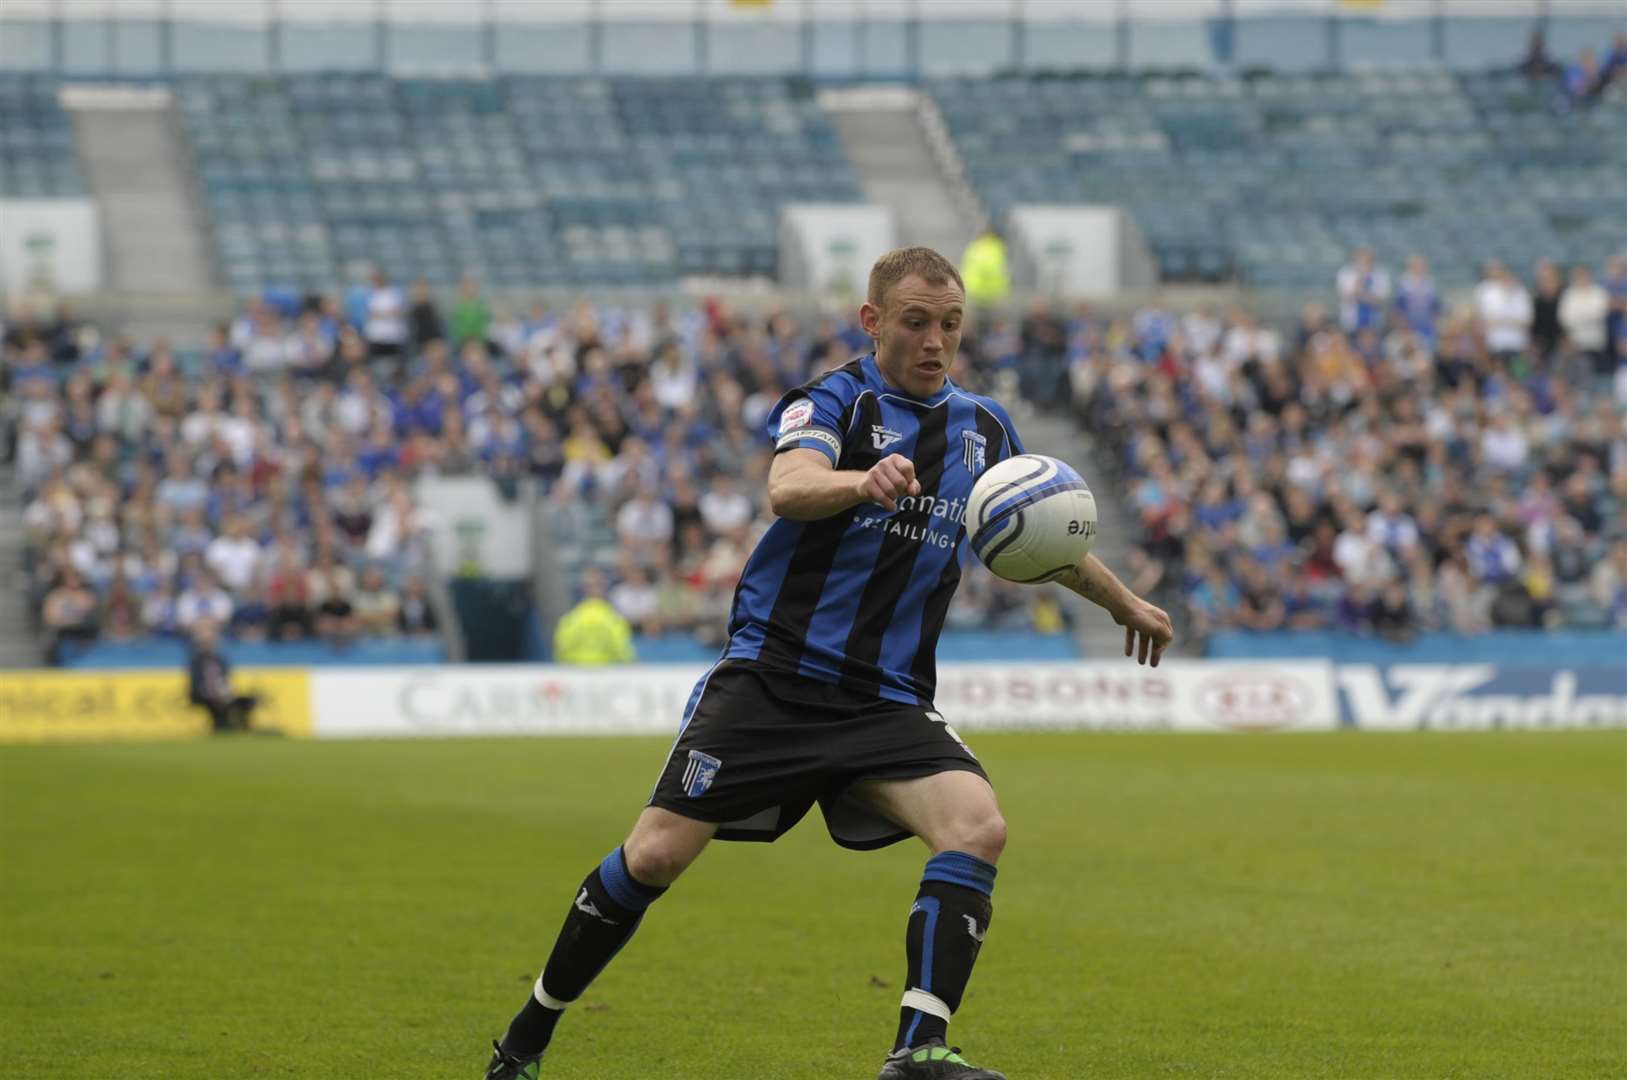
(1351, 905)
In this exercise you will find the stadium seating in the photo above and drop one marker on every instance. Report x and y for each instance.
(1274, 178)
(37, 154)
(553, 180)
(523, 180)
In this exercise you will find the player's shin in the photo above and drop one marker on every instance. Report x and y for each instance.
(946, 927)
(608, 907)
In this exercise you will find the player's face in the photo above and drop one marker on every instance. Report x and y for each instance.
(917, 332)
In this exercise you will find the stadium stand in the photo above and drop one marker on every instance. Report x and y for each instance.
(1307, 479)
(275, 497)
(535, 180)
(37, 155)
(1401, 467)
(156, 495)
(1294, 170)
(1318, 480)
(525, 181)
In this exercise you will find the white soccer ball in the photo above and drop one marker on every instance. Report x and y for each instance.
(1030, 518)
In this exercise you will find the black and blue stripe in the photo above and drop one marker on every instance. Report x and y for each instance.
(859, 598)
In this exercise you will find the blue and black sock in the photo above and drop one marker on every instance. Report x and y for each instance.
(947, 923)
(609, 906)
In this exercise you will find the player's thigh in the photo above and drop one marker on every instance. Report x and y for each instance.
(663, 844)
(954, 810)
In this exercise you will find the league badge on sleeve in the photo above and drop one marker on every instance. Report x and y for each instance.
(796, 415)
(700, 773)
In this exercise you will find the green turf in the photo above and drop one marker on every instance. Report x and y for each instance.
(1171, 906)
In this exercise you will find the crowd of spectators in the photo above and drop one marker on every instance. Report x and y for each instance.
(158, 496)
(265, 484)
(1397, 466)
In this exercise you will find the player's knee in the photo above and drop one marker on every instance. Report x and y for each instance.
(983, 836)
(656, 861)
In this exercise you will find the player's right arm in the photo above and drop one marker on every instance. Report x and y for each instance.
(804, 486)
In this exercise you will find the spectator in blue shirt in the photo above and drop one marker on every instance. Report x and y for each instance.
(1364, 292)
(1417, 300)
(1213, 598)
(1355, 609)
(1615, 62)
(1303, 607)
(224, 358)
(180, 489)
(1493, 558)
(380, 453)
(1582, 81)
(1615, 283)
(1214, 510)
(417, 407)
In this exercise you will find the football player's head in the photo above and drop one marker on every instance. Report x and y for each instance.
(914, 309)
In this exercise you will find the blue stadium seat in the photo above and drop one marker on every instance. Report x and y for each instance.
(1293, 169)
(356, 158)
(38, 158)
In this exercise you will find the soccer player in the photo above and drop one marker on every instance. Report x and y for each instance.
(824, 691)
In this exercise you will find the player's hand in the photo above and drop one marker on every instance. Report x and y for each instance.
(888, 479)
(1147, 632)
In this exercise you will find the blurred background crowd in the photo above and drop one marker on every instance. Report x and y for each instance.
(1390, 466)
(266, 485)
(1386, 463)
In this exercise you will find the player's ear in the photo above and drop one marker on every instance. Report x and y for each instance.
(870, 319)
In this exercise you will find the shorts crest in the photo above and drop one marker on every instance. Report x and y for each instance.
(700, 773)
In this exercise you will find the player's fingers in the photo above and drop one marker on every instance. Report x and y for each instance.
(1157, 654)
(906, 467)
(1146, 648)
(892, 477)
(1129, 640)
(880, 487)
(915, 487)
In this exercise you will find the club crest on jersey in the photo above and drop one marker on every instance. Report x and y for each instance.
(883, 436)
(975, 446)
(699, 774)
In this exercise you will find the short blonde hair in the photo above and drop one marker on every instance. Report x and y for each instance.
(900, 263)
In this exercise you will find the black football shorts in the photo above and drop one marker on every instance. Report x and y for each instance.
(759, 747)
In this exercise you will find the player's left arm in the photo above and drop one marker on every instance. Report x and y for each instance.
(1147, 627)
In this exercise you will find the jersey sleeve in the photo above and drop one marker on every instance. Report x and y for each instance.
(810, 417)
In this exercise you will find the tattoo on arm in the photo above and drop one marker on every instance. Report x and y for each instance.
(1090, 590)
(1099, 586)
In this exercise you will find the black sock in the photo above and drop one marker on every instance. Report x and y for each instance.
(947, 923)
(608, 908)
